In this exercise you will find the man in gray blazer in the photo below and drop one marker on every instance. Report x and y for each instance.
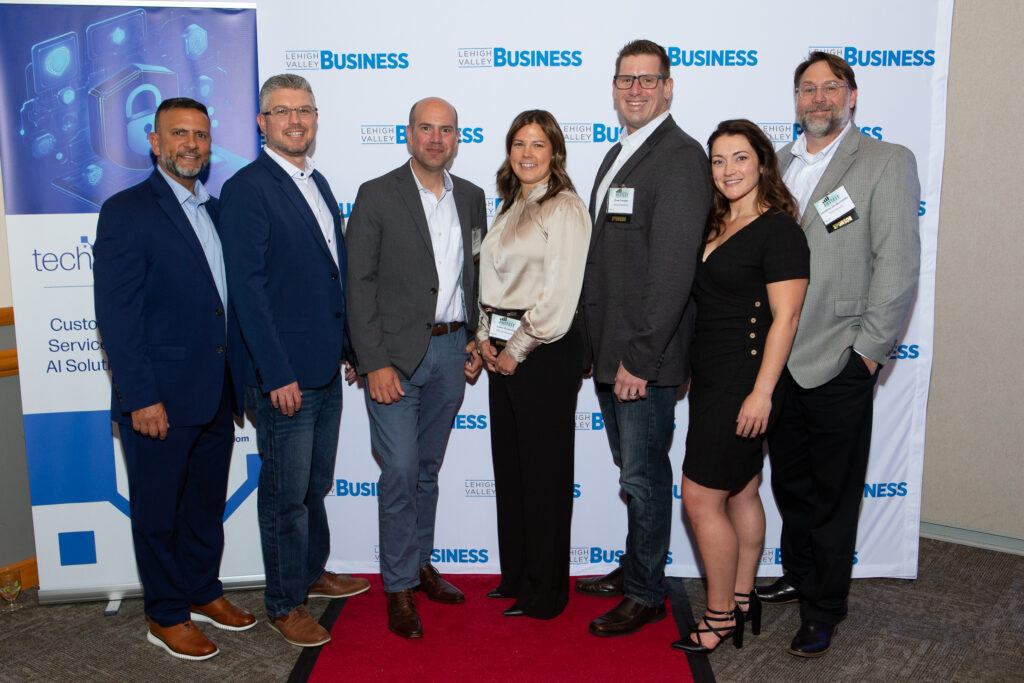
(412, 239)
(650, 203)
(859, 202)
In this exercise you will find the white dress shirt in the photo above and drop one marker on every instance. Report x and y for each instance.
(806, 169)
(629, 143)
(303, 178)
(446, 240)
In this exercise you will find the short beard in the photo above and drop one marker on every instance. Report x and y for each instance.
(171, 166)
(827, 127)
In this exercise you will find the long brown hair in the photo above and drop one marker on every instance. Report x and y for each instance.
(507, 182)
(772, 193)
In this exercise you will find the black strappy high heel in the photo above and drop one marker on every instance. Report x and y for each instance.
(736, 631)
(753, 613)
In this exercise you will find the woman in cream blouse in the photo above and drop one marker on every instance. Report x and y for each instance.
(531, 273)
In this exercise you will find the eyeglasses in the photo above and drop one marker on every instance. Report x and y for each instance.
(830, 89)
(286, 112)
(647, 81)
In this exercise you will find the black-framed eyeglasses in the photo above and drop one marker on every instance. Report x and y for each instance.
(830, 89)
(286, 112)
(647, 81)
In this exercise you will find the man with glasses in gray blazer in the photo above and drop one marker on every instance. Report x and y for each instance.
(859, 201)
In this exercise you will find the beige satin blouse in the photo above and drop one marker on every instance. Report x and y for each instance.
(533, 259)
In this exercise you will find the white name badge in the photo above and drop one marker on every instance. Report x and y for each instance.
(620, 201)
(503, 327)
(475, 232)
(836, 209)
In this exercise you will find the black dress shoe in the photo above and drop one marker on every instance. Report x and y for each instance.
(813, 639)
(514, 611)
(629, 616)
(609, 585)
(778, 593)
(501, 594)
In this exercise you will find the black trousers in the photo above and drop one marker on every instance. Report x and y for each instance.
(819, 456)
(533, 436)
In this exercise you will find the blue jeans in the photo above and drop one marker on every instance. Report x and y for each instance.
(410, 437)
(639, 434)
(298, 456)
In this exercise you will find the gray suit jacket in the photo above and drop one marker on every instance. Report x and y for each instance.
(864, 274)
(392, 279)
(638, 275)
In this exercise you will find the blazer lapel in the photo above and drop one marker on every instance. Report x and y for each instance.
(168, 202)
(410, 194)
(841, 161)
(462, 206)
(298, 202)
(627, 168)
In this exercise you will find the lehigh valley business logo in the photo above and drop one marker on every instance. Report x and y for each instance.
(591, 132)
(500, 57)
(479, 488)
(856, 56)
(324, 60)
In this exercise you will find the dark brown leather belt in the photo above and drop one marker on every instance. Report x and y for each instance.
(444, 328)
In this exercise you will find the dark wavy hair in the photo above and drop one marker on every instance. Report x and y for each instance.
(772, 193)
(507, 182)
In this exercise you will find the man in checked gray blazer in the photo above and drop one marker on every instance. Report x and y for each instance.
(412, 278)
(859, 202)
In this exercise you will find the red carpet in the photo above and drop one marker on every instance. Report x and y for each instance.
(474, 642)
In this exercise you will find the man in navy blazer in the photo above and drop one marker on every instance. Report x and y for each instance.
(286, 268)
(172, 343)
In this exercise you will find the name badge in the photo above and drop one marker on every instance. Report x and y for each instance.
(836, 209)
(620, 203)
(503, 327)
(475, 232)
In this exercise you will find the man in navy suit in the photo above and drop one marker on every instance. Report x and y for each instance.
(172, 343)
(286, 268)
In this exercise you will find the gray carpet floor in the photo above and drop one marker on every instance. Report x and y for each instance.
(961, 620)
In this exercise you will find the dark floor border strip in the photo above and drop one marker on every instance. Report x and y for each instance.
(700, 666)
(307, 660)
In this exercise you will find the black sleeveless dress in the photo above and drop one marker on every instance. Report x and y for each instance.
(733, 317)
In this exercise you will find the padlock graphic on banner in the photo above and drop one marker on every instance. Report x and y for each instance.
(122, 110)
(140, 116)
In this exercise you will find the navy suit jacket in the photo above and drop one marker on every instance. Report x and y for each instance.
(161, 319)
(286, 288)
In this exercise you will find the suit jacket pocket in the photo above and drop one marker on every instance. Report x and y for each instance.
(850, 307)
(166, 352)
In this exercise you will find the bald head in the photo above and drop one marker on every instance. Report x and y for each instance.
(414, 111)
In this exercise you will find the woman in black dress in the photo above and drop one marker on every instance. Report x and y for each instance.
(749, 289)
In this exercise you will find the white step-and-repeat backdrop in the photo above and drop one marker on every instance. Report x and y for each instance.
(367, 66)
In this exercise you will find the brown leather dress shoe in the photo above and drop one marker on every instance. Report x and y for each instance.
(223, 614)
(609, 585)
(299, 628)
(436, 588)
(402, 617)
(629, 616)
(183, 641)
(331, 585)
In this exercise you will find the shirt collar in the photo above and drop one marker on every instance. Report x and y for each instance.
(291, 169)
(181, 193)
(639, 136)
(537, 192)
(799, 148)
(447, 180)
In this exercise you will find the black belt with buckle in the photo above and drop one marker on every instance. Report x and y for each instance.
(511, 313)
(444, 328)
